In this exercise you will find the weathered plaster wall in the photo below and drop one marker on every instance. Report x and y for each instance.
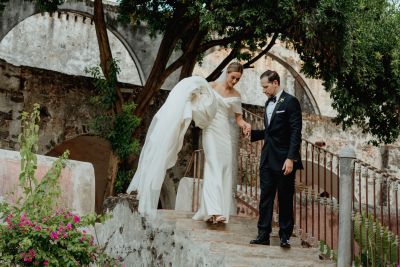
(279, 59)
(66, 42)
(66, 114)
(62, 42)
(76, 180)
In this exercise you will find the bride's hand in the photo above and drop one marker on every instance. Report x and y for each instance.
(246, 129)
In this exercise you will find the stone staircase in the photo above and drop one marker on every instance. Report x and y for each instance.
(172, 238)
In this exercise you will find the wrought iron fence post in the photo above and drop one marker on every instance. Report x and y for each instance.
(345, 248)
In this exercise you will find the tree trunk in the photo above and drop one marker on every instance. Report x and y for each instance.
(187, 68)
(106, 58)
(106, 61)
(157, 75)
(111, 174)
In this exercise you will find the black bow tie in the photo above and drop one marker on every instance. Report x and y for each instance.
(271, 99)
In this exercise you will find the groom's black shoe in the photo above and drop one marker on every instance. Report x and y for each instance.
(284, 242)
(262, 239)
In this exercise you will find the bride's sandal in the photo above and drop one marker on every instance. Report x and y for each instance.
(220, 219)
(212, 220)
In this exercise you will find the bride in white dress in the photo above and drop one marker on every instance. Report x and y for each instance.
(220, 144)
(212, 108)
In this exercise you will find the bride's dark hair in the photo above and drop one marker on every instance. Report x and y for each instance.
(234, 67)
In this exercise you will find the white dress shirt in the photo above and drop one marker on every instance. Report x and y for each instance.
(271, 106)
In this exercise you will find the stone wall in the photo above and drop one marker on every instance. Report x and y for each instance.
(151, 241)
(62, 46)
(76, 180)
(66, 114)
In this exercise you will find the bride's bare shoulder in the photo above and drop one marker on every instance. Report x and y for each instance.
(213, 84)
(235, 93)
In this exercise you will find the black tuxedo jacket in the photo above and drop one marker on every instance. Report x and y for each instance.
(282, 137)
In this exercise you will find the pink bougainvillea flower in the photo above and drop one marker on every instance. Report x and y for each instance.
(46, 263)
(27, 259)
(54, 235)
(32, 253)
(69, 226)
(76, 219)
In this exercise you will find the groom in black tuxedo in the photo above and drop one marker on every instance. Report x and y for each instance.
(280, 158)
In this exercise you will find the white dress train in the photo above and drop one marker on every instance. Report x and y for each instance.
(220, 143)
(190, 98)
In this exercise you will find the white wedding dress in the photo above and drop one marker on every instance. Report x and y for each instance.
(191, 98)
(220, 143)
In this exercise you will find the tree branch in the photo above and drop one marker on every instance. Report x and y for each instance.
(224, 41)
(218, 70)
(269, 46)
(106, 58)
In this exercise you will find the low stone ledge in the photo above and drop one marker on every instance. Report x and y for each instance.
(77, 180)
(111, 202)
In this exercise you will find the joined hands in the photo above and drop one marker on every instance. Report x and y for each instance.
(246, 128)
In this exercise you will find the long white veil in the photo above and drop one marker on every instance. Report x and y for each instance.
(190, 98)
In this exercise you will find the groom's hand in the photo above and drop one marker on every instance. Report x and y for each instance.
(287, 166)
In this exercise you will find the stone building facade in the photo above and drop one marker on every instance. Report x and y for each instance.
(66, 114)
(44, 57)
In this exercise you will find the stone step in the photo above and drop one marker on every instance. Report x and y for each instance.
(232, 241)
(243, 261)
(239, 230)
(275, 252)
(233, 233)
(252, 255)
(173, 239)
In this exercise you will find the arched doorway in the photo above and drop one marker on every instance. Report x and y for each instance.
(91, 149)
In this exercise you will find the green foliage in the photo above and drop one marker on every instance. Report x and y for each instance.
(352, 45)
(381, 248)
(326, 251)
(105, 87)
(118, 129)
(2, 4)
(39, 197)
(49, 5)
(115, 128)
(43, 5)
(363, 77)
(124, 177)
(36, 232)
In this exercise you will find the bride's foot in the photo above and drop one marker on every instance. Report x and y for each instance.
(212, 220)
(220, 219)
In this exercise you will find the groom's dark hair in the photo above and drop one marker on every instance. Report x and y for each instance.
(271, 75)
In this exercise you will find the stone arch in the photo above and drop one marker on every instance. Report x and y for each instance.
(93, 149)
(120, 37)
(133, 39)
(309, 102)
(299, 80)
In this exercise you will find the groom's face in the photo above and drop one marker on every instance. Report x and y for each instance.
(269, 88)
